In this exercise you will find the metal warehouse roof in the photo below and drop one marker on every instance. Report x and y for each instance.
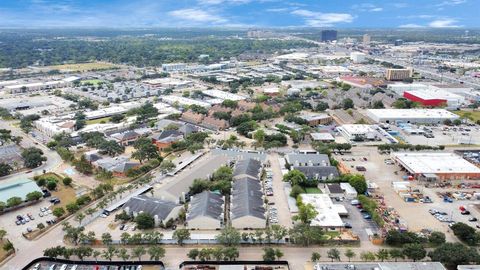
(206, 203)
(247, 199)
(18, 188)
(428, 162)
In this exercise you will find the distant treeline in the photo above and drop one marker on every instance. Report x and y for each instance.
(21, 50)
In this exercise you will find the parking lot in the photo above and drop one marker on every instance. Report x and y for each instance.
(415, 215)
(9, 220)
(278, 198)
(360, 226)
(442, 135)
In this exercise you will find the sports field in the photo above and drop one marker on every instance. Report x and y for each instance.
(81, 67)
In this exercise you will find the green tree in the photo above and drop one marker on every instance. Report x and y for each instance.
(67, 181)
(34, 195)
(306, 212)
(295, 177)
(229, 237)
(296, 190)
(167, 166)
(271, 254)
(145, 150)
(464, 232)
(181, 235)
(347, 104)
(123, 254)
(5, 169)
(109, 253)
(382, 254)
(414, 252)
(396, 254)
(367, 256)
(454, 254)
(51, 185)
(139, 252)
(193, 254)
(79, 217)
(144, 221)
(350, 254)
(107, 239)
(321, 106)
(315, 257)
(230, 253)
(111, 148)
(156, 253)
(83, 166)
(333, 254)
(436, 238)
(14, 201)
(358, 182)
(33, 157)
(58, 211)
(259, 137)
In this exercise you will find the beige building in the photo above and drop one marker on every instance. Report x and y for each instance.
(393, 74)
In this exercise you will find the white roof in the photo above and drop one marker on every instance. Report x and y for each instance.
(412, 113)
(434, 94)
(328, 213)
(223, 95)
(184, 101)
(314, 116)
(324, 136)
(357, 128)
(426, 162)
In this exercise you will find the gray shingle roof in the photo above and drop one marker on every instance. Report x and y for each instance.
(247, 199)
(152, 206)
(308, 159)
(249, 167)
(318, 171)
(206, 203)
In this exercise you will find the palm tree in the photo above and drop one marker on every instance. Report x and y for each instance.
(382, 254)
(315, 257)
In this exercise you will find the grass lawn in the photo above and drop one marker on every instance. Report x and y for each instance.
(312, 190)
(97, 121)
(94, 82)
(81, 67)
(3, 253)
(472, 115)
(66, 194)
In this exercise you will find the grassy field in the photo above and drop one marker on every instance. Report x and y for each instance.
(94, 82)
(312, 190)
(97, 121)
(472, 115)
(66, 194)
(81, 67)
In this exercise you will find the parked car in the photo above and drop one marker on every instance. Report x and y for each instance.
(472, 219)
(465, 212)
(367, 216)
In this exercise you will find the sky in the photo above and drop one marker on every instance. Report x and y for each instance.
(240, 13)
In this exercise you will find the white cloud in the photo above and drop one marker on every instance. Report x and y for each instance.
(197, 15)
(218, 2)
(451, 3)
(411, 25)
(277, 9)
(367, 7)
(319, 19)
(444, 23)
